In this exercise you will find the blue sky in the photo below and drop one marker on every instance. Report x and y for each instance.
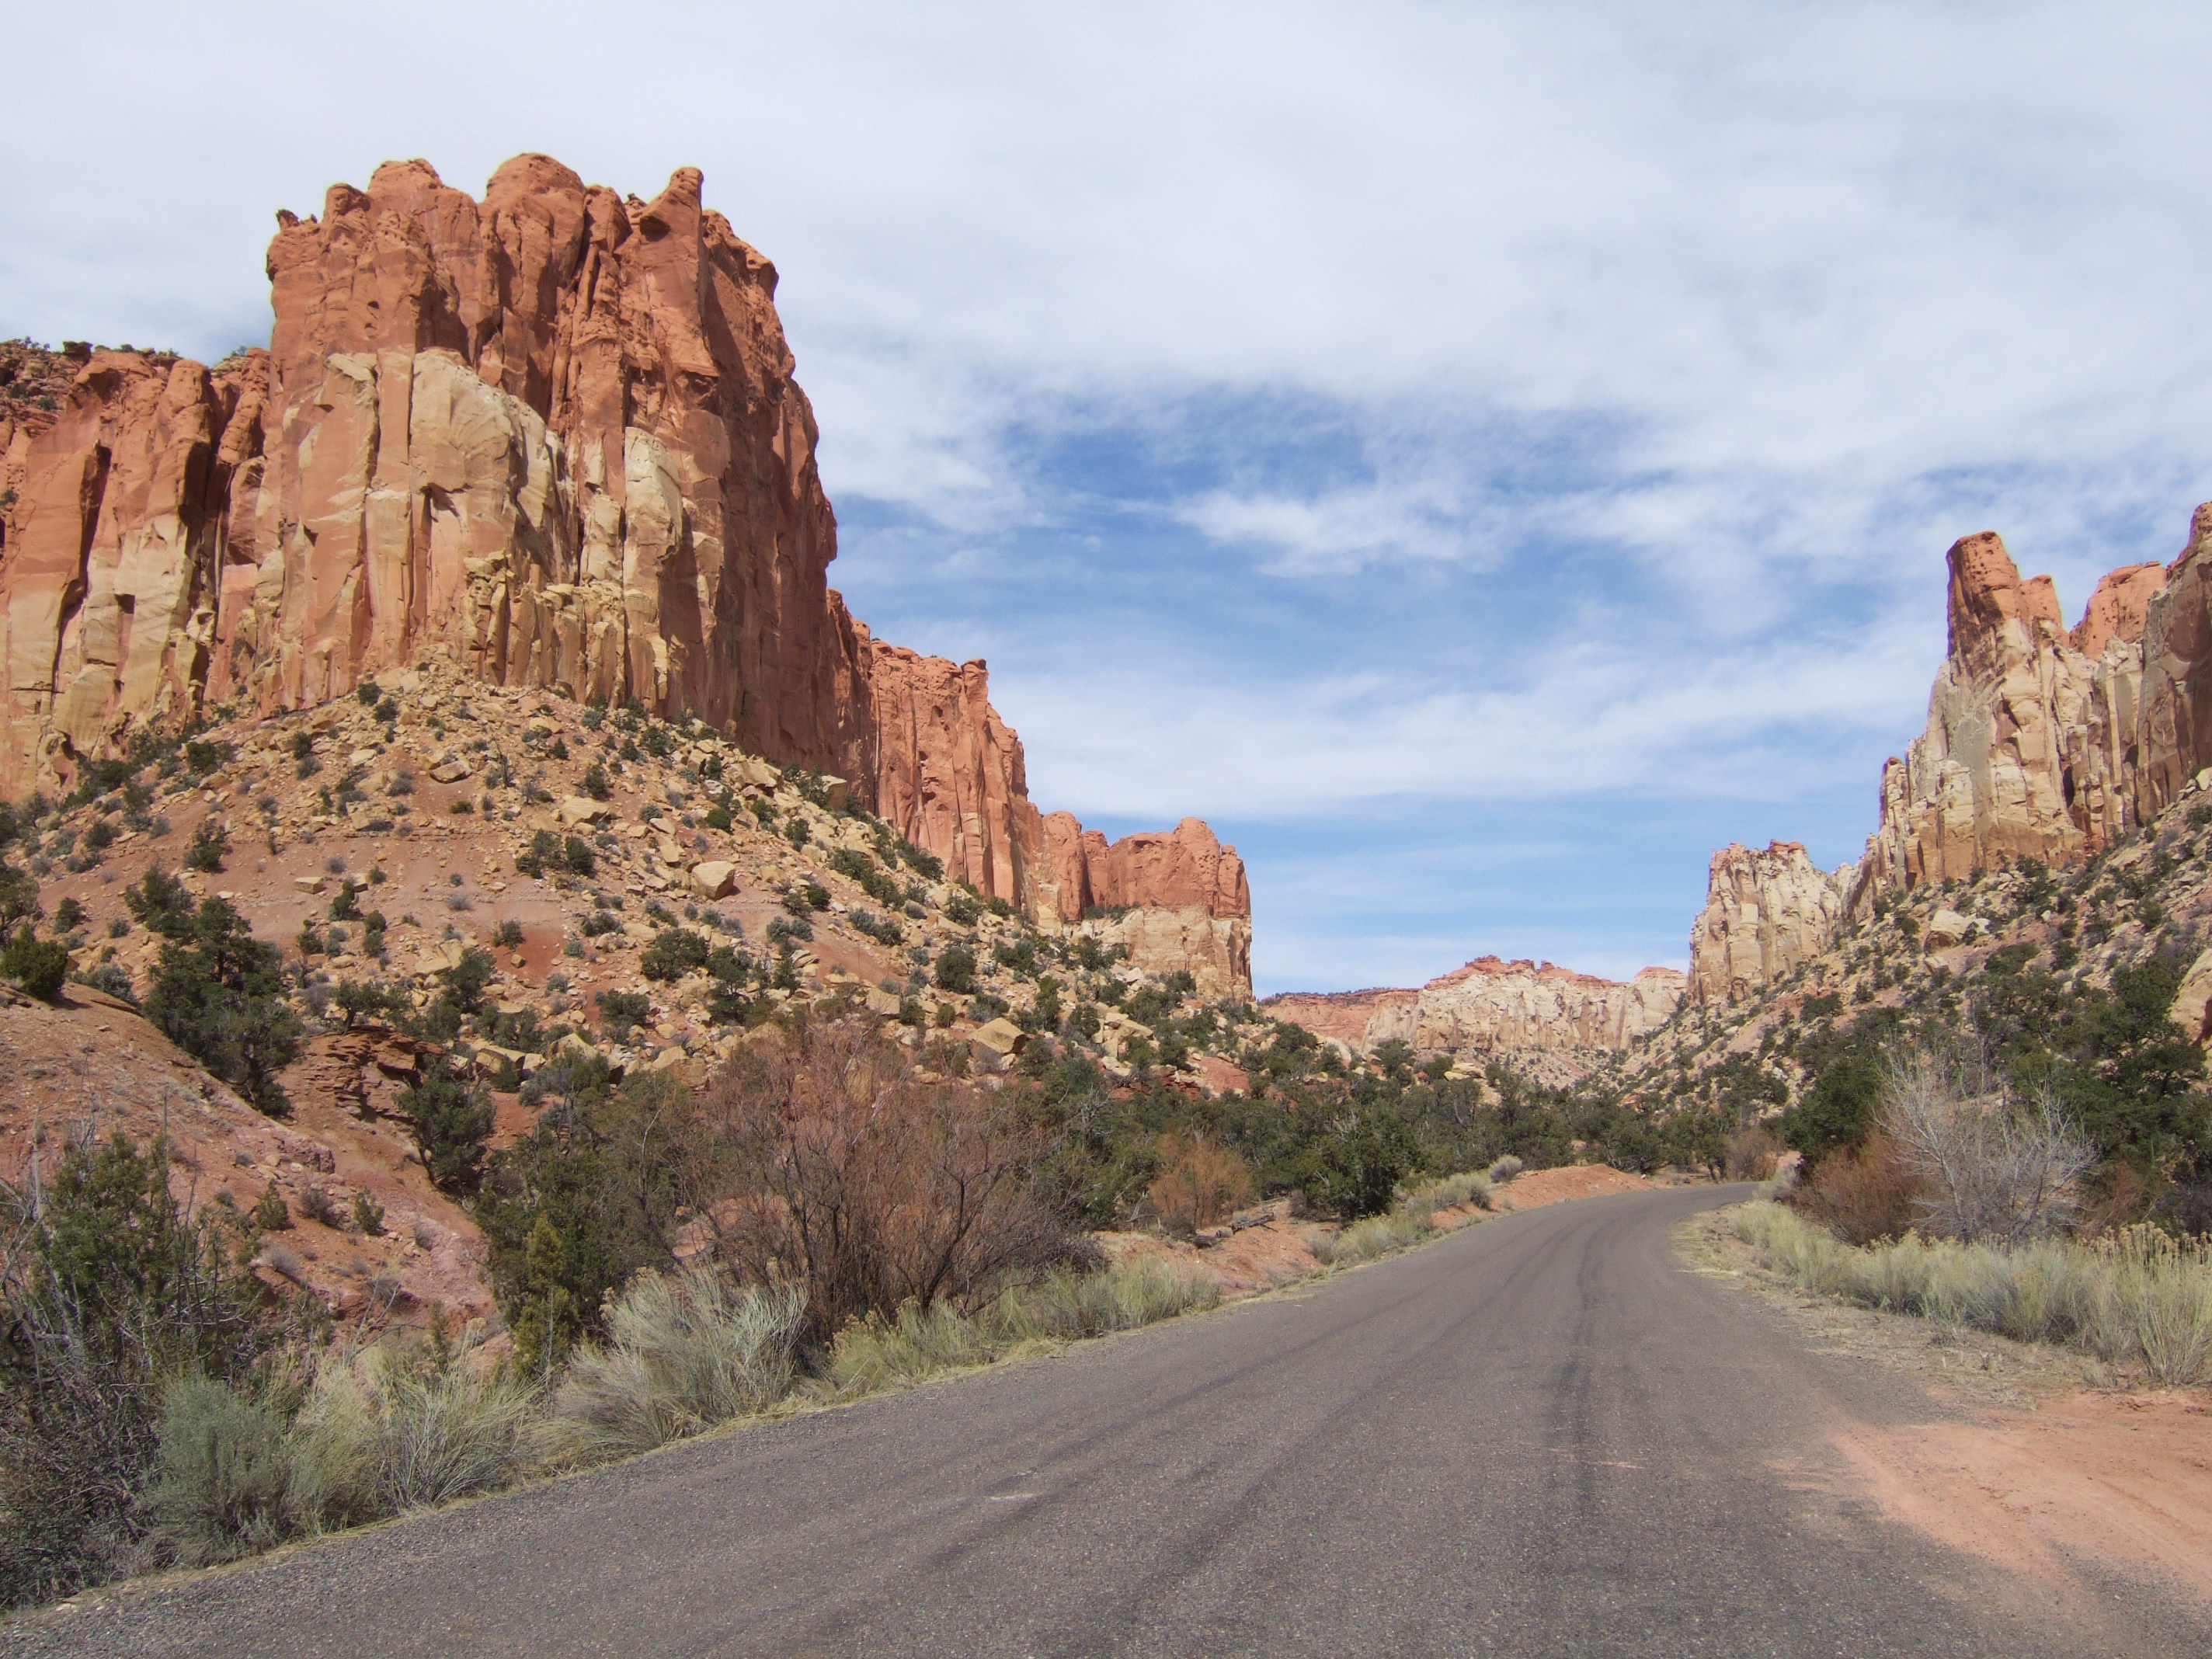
(1480, 458)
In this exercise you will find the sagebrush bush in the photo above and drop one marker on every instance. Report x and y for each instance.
(684, 1353)
(1378, 1236)
(225, 1473)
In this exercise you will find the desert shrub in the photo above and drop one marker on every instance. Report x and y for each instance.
(1201, 1183)
(452, 1120)
(508, 935)
(224, 1474)
(1753, 1153)
(1987, 1164)
(842, 1173)
(39, 966)
(1376, 1235)
(467, 979)
(390, 1433)
(210, 845)
(673, 953)
(109, 1292)
(1454, 1191)
(2140, 1297)
(217, 994)
(915, 1343)
(594, 783)
(684, 1352)
(367, 1216)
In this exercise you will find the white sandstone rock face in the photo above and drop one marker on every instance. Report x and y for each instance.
(2033, 742)
(1766, 912)
(1519, 1010)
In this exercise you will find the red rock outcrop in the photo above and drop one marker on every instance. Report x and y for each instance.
(1173, 899)
(1766, 912)
(552, 439)
(1543, 1017)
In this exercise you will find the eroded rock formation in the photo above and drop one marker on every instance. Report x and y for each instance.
(552, 438)
(2031, 745)
(1547, 1019)
(2042, 742)
(1766, 912)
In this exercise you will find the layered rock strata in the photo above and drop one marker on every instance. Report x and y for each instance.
(1526, 1012)
(1766, 912)
(552, 438)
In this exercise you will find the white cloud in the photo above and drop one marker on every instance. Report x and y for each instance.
(1664, 348)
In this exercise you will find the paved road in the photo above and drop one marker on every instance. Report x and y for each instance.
(1539, 1437)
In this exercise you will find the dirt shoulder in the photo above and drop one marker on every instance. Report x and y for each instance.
(2039, 1460)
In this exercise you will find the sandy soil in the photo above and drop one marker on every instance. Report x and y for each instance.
(2037, 1459)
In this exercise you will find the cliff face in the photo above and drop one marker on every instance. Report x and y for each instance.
(1548, 1020)
(2032, 744)
(2042, 742)
(1766, 912)
(552, 438)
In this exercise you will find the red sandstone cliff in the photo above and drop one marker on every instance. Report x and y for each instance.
(551, 437)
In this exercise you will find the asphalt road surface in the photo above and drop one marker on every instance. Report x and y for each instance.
(1540, 1435)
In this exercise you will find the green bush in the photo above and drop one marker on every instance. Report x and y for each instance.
(579, 856)
(466, 979)
(39, 966)
(210, 844)
(217, 994)
(676, 952)
(110, 1292)
(956, 970)
(452, 1120)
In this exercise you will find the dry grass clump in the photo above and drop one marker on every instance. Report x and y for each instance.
(1453, 1192)
(916, 1343)
(1378, 1236)
(2140, 1297)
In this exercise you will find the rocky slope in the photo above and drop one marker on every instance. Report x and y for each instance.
(379, 838)
(550, 440)
(1549, 1023)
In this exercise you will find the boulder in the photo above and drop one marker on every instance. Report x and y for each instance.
(451, 771)
(715, 878)
(1002, 1036)
(575, 810)
(1948, 926)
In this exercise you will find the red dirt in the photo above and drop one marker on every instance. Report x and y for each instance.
(2123, 1480)
(1537, 1188)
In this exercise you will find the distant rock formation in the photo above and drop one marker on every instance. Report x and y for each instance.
(1550, 1021)
(552, 438)
(1766, 912)
(2042, 742)
(2032, 744)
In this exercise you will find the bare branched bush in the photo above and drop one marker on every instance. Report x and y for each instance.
(1753, 1153)
(1201, 1183)
(827, 1165)
(1989, 1164)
